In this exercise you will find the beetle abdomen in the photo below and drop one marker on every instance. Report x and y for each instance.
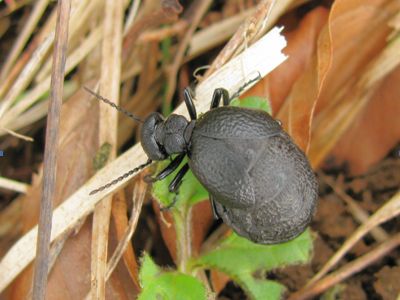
(286, 195)
(262, 183)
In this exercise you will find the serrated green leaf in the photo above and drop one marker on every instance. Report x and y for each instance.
(261, 288)
(253, 102)
(157, 284)
(240, 258)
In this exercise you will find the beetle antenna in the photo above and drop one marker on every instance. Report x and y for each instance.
(127, 174)
(117, 107)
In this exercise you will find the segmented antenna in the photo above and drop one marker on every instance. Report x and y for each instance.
(122, 177)
(117, 107)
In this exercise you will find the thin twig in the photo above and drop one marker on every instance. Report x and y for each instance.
(138, 197)
(13, 185)
(50, 153)
(243, 35)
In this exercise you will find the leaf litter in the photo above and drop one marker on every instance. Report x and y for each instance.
(336, 94)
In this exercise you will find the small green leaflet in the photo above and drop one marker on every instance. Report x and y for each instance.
(253, 102)
(163, 285)
(190, 191)
(240, 258)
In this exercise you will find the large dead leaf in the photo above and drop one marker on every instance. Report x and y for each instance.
(358, 34)
(376, 130)
(292, 87)
(321, 85)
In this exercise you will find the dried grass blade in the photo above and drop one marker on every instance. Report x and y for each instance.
(388, 211)
(50, 155)
(23, 37)
(109, 87)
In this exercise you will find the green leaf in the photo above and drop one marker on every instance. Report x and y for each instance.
(253, 102)
(240, 258)
(157, 284)
(190, 192)
(148, 270)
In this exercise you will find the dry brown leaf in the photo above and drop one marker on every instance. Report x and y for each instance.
(301, 48)
(219, 280)
(376, 131)
(357, 35)
(292, 88)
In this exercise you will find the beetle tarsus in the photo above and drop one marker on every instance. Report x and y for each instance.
(175, 183)
(173, 165)
(216, 98)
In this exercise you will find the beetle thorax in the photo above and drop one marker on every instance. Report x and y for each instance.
(162, 137)
(170, 134)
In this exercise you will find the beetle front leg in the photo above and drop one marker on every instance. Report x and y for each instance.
(216, 98)
(168, 170)
(176, 182)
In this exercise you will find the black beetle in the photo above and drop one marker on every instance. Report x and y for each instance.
(260, 183)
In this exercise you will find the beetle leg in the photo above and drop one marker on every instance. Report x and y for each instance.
(187, 95)
(168, 170)
(216, 98)
(214, 208)
(176, 182)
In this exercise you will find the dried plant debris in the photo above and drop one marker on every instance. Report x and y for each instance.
(336, 94)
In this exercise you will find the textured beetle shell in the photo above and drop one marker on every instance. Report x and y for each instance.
(261, 182)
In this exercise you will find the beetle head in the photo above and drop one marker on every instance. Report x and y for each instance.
(160, 138)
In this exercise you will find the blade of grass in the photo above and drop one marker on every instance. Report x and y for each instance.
(23, 37)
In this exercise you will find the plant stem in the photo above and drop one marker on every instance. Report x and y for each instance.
(182, 219)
